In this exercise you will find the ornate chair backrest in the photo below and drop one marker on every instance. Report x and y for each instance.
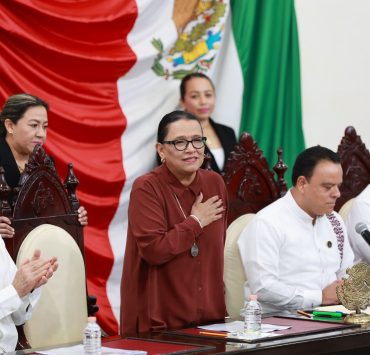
(43, 213)
(355, 160)
(250, 184)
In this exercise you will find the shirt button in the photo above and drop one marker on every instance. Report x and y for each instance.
(199, 288)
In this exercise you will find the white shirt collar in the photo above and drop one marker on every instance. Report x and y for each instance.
(299, 211)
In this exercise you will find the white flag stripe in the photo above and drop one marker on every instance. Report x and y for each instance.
(157, 97)
(226, 74)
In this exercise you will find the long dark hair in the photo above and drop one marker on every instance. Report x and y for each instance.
(15, 107)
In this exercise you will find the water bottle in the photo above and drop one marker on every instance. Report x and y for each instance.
(92, 337)
(252, 316)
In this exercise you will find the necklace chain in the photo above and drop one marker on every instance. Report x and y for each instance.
(194, 251)
(178, 203)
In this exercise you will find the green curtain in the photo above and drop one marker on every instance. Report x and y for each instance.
(266, 37)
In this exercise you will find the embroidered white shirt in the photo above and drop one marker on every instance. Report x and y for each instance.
(288, 260)
(359, 212)
(13, 309)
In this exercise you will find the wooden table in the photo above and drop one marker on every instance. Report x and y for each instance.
(342, 342)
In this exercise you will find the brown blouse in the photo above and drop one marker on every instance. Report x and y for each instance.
(163, 286)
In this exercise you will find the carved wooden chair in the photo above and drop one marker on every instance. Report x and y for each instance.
(250, 183)
(43, 213)
(355, 160)
(251, 186)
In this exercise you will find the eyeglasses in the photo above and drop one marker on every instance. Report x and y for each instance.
(182, 144)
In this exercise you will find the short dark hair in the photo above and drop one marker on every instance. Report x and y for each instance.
(309, 158)
(15, 107)
(188, 77)
(170, 118)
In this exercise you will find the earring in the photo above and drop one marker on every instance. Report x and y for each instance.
(163, 159)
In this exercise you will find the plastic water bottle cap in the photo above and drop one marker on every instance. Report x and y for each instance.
(253, 297)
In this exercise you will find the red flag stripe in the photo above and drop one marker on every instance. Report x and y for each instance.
(71, 54)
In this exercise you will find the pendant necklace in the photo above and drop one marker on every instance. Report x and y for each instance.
(194, 251)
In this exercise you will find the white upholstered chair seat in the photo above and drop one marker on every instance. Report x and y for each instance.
(344, 210)
(61, 313)
(234, 276)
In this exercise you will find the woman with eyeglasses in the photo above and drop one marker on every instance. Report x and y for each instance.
(173, 267)
(198, 97)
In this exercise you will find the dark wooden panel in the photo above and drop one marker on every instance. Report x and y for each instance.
(250, 183)
(355, 160)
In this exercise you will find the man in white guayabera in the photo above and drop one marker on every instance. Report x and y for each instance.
(296, 250)
(19, 292)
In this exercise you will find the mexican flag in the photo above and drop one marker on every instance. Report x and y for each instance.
(111, 69)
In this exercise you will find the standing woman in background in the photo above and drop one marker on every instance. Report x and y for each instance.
(23, 124)
(198, 97)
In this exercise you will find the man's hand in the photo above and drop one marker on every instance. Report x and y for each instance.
(34, 273)
(208, 211)
(6, 231)
(329, 293)
(50, 272)
(82, 216)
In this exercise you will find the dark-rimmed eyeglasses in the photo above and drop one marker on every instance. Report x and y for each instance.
(182, 144)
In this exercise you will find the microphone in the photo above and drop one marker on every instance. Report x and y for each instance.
(361, 228)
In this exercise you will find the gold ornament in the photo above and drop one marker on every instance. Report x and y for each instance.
(354, 293)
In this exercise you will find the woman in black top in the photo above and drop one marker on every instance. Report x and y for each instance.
(198, 97)
(23, 124)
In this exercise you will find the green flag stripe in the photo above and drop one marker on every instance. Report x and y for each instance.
(265, 32)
